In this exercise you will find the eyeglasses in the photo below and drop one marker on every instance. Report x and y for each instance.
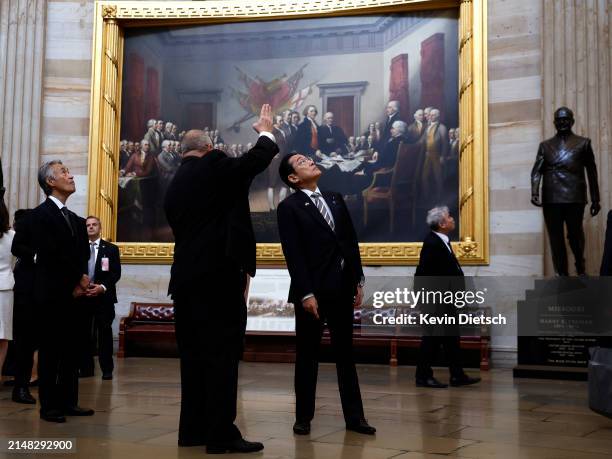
(303, 161)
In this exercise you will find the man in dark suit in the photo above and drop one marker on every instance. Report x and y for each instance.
(98, 306)
(386, 157)
(393, 115)
(25, 318)
(322, 254)
(331, 138)
(207, 206)
(439, 270)
(416, 130)
(56, 239)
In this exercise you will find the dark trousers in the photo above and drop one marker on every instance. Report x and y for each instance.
(338, 313)
(210, 326)
(556, 217)
(58, 383)
(429, 349)
(96, 333)
(25, 338)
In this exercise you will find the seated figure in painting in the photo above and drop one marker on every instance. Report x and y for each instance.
(332, 140)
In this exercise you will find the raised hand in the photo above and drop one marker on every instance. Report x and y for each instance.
(264, 123)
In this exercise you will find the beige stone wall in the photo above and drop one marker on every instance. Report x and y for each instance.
(577, 67)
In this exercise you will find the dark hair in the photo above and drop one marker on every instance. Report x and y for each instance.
(305, 111)
(285, 169)
(19, 216)
(94, 217)
(4, 219)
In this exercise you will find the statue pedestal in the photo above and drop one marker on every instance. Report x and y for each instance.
(559, 320)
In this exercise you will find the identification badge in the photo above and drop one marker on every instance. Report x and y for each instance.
(104, 263)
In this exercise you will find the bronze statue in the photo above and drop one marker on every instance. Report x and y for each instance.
(560, 164)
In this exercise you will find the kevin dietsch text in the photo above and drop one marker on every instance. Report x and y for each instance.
(429, 319)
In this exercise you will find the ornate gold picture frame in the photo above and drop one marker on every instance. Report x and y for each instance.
(111, 20)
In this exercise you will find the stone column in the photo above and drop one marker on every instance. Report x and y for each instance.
(577, 67)
(22, 38)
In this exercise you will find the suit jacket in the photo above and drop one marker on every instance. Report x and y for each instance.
(313, 250)
(388, 154)
(414, 132)
(61, 255)
(438, 270)
(436, 141)
(560, 164)
(124, 157)
(155, 139)
(387, 128)
(331, 141)
(303, 138)
(146, 169)
(207, 207)
(108, 278)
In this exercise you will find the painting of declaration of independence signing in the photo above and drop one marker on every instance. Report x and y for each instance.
(373, 100)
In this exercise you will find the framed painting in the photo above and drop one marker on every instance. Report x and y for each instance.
(388, 97)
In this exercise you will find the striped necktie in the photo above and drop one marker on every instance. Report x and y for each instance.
(319, 203)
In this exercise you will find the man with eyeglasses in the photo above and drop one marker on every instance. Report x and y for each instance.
(322, 253)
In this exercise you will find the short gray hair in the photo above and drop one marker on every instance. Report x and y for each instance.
(435, 216)
(151, 123)
(195, 139)
(395, 104)
(399, 125)
(46, 172)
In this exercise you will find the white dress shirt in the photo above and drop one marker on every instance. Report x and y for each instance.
(57, 202)
(269, 135)
(97, 249)
(445, 239)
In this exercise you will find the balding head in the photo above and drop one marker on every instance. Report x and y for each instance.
(196, 141)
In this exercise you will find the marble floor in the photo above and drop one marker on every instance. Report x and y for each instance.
(137, 415)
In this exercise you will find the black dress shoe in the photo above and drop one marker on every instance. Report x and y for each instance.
(52, 416)
(107, 376)
(361, 427)
(8, 382)
(301, 428)
(22, 395)
(239, 445)
(430, 382)
(78, 411)
(464, 380)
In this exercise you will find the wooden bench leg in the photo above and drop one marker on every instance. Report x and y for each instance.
(121, 349)
(393, 359)
(485, 364)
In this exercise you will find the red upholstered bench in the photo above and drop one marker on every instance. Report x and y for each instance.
(148, 331)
